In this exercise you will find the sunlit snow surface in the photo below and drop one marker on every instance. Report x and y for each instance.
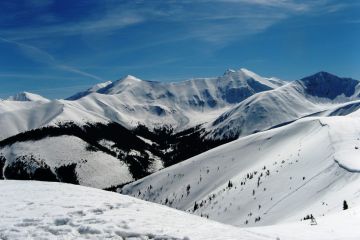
(130, 101)
(41, 210)
(279, 176)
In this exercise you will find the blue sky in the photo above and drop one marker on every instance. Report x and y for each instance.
(58, 47)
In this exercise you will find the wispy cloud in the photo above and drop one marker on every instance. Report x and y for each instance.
(110, 23)
(44, 57)
(197, 18)
(34, 76)
(286, 4)
(110, 18)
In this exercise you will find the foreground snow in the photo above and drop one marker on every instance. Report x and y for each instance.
(41, 210)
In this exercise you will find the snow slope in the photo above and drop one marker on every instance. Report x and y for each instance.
(310, 95)
(41, 210)
(92, 168)
(27, 117)
(307, 167)
(8, 106)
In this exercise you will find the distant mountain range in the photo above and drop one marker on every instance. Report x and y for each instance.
(118, 132)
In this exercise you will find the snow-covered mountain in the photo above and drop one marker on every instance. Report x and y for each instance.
(131, 101)
(290, 102)
(295, 155)
(276, 81)
(101, 155)
(103, 122)
(64, 158)
(232, 87)
(307, 167)
(28, 97)
(41, 210)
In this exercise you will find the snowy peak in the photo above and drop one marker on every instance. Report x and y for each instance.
(27, 97)
(229, 71)
(119, 85)
(327, 85)
(130, 78)
(99, 86)
(229, 80)
(131, 101)
(248, 78)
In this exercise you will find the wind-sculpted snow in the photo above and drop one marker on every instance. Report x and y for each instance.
(279, 175)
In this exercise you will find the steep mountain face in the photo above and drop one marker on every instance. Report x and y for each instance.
(281, 175)
(290, 102)
(326, 86)
(28, 97)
